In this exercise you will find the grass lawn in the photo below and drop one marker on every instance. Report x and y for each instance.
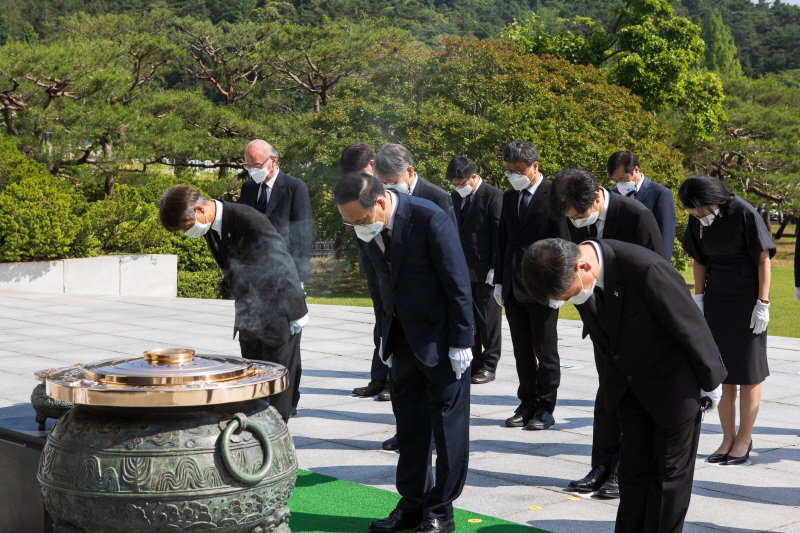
(337, 283)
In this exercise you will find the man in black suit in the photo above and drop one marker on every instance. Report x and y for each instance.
(578, 195)
(525, 220)
(285, 201)
(394, 166)
(659, 357)
(416, 270)
(623, 167)
(270, 303)
(478, 205)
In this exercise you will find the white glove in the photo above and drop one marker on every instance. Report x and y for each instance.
(698, 299)
(797, 293)
(760, 317)
(296, 326)
(490, 277)
(387, 362)
(302, 285)
(714, 396)
(556, 304)
(460, 358)
(498, 294)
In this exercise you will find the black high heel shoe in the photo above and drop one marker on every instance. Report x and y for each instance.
(732, 461)
(718, 457)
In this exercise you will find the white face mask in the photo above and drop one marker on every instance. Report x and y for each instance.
(709, 219)
(463, 190)
(367, 232)
(518, 181)
(625, 187)
(588, 221)
(585, 294)
(402, 188)
(258, 174)
(198, 230)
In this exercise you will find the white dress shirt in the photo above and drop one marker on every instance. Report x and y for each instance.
(217, 224)
(532, 190)
(389, 223)
(270, 184)
(601, 262)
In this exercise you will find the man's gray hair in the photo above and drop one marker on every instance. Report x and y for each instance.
(393, 159)
(176, 206)
(520, 151)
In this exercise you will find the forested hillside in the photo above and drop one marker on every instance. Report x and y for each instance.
(767, 34)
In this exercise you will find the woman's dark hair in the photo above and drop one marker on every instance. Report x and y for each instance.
(703, 191)
(572, 187)
(548, 268)
(358, 186)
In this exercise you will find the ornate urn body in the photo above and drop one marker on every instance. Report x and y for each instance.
(154, 462)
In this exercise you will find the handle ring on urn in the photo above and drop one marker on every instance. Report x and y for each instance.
(240, 421)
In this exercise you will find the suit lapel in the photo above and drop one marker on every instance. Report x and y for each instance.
(644, 190)
(419, 187)
(473, 208)
(276, 193)
(593, 325)
(400, 232)
(614, 292)
(612, 217)
(538, 202)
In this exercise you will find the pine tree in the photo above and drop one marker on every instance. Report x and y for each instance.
(721, 52)
(29, 35)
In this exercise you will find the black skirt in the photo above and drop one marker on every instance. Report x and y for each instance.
(730, 296)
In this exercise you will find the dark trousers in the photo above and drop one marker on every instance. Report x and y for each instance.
(605, 429)
(379, 371)
(486, 350)
(299, 374)
(535, 338)
(287, 355)
(656, 470)
(429, 401)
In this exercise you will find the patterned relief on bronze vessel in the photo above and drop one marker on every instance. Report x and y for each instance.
(92, 477)
(188, 476)
(137, 473)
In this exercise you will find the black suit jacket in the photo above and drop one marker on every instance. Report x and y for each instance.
(627, 221)
(289, 210)
(427, 289)
(516, 236)
(260, 272)
(429, 191)
(658, 199)
(651, 335)
(479, 229)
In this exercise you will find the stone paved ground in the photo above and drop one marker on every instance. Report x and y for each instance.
(339, 435)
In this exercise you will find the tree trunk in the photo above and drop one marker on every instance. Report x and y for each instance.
(316, 106)
(766, 216)
(109, 187)
(781, 229)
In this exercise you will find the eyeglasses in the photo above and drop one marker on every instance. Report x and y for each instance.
(257, 165)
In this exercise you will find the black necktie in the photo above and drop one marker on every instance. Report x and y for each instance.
(261, 204)
(632, 194)
(593, 230)
(467, 201)
(524, 203)
(387, 247)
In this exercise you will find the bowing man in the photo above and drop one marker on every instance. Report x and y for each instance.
(416, 270)
(270, 303)
(594, 212)
(659, 357)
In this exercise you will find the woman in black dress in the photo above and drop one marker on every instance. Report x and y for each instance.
(731, 247)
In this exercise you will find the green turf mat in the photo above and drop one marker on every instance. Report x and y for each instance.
(322, 504)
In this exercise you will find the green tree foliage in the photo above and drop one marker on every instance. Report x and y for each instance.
(5, 31)
(473, 98)
(720, 55)
(757, 152)
(28, 34)
(646, 49)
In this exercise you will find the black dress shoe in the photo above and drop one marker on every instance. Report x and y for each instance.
(593, 480)
(482, 376)
(398, 520)
(718, 457)
(541, 420)
(521, 416)
(610, 488)
(435, 525)
(374, 387)
(732, 461)
(390, 444)
(385, 395)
